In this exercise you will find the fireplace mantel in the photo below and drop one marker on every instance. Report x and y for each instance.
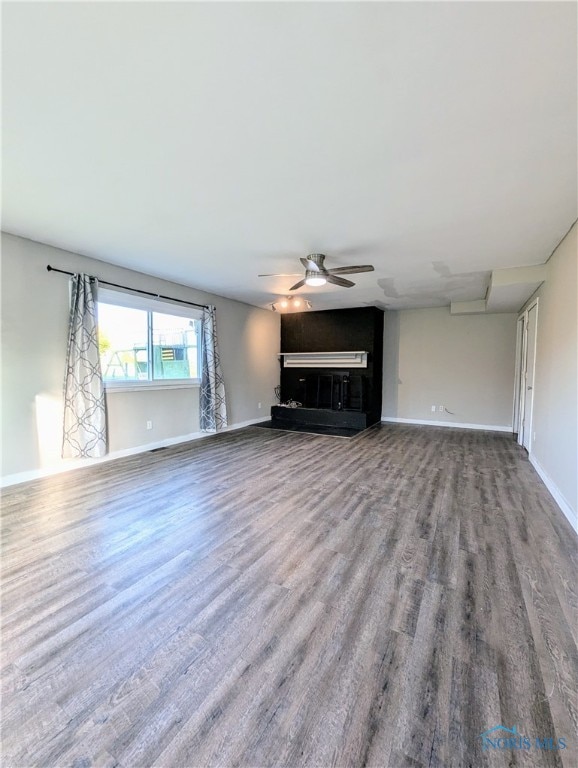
(324, 359)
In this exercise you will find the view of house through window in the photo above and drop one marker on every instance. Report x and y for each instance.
(141, 345)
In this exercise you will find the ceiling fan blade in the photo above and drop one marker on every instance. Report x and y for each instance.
(353, 270)
(298, 285)
(339, 281)
(281, 274)
(310, 265)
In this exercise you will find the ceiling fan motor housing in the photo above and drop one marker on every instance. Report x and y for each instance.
(316, 259)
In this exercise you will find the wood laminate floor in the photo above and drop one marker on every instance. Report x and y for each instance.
(261, 598)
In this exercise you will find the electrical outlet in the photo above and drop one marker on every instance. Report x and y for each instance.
(433, 409)
(149, 425)
(441, 408)
(259, 405)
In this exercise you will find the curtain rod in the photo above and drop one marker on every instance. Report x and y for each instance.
(134, 290)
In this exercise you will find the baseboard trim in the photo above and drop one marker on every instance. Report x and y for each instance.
(556, 494)
(454, 424)
(72, 464)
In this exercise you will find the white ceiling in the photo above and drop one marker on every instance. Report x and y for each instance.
(209, 142)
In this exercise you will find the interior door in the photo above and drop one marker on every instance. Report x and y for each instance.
(529, 375)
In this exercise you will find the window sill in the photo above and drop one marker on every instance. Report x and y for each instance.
(147, 386)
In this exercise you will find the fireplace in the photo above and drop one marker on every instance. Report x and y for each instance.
(331, 364)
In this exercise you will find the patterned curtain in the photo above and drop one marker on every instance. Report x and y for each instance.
(213, 403)
(84, 433)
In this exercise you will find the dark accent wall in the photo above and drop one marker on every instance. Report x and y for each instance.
(335, 330)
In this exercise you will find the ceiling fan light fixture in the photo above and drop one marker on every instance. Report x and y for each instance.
(314, 278)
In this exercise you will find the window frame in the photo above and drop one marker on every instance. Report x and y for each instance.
(121, 298)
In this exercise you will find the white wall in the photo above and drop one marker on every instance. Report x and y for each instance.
(463, 362)
(554, 450)
(34, 338)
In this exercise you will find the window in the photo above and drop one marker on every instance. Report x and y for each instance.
(144, 342)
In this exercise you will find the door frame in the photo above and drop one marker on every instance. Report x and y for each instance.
(517, 374)
(522, 375)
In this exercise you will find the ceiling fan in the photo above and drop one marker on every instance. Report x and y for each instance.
(317, 274)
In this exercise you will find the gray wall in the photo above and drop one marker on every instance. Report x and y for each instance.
(34, 338)
(463, 362)
(555, 417)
